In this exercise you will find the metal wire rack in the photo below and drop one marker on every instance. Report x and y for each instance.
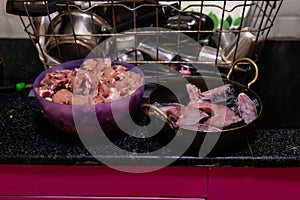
(182, 32)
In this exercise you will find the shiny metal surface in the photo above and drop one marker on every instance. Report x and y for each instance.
(258, 15)
(130, 55)
(243, 45)
(73, 34)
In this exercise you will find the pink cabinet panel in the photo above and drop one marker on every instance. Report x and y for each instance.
(247, 183)
(90, 198)
(102, 181)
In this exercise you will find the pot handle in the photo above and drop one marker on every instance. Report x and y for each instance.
(160, 113)
(21, 8)
(247, 60)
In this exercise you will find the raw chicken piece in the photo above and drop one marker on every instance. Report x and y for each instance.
(85, 82)
(96, 65)
(109, 73)
(56, 79)
(44, 91)
(222, 116)
(246, 108)
(99, 99)
(63, 96)
(96, 82)
(79, 99)
(129, 83)
(113, 95)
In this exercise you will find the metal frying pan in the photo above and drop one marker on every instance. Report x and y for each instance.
(229, 137)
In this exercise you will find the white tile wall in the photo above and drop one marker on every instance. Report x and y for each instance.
(286, 27)
(10, 25)
(290, 8)
(286, 24)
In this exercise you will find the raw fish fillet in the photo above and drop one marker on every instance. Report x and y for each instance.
(222, 116)
(246, 108)
(219, 94)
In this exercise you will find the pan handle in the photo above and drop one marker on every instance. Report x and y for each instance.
(159, 112)
(247, 60)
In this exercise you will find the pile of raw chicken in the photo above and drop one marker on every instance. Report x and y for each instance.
(96, 81)
(212, 110)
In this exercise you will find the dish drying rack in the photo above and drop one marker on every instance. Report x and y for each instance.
(248, 24)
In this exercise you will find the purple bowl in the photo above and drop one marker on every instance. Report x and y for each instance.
(61, 115)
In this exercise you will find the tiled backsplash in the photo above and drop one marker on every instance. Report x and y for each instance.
(287, 23)
(10, 25)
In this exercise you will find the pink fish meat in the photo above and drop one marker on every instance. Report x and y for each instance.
(246, 108)
(218, 94)
(190, 115)
(193, 91)
(205, 113)
(221, 116)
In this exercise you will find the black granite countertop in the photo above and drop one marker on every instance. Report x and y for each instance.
(27, 137)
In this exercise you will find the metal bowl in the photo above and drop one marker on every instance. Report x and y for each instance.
(61, 116)
(74, 35)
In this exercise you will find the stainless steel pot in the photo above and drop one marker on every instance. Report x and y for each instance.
(66, 30)
(74, 34)
(244, 45)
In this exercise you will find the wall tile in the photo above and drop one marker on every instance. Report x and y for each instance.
(286, 27)
(10, 25)
(290, 8)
